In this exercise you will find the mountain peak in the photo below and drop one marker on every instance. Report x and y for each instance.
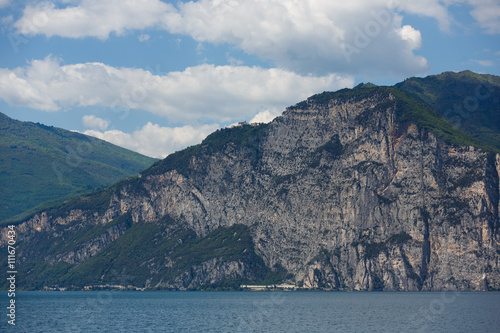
(348, 190)
(467, 100)
(365, 85)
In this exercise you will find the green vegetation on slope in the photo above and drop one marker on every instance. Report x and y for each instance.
(469, 101)
(167, 250)
(41, 164)
(408, 110)
(245, 136)
(411, 110)
(144, 251)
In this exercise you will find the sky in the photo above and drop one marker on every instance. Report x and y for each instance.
(157, 76)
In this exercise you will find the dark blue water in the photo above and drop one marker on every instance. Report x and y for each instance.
(253, 312)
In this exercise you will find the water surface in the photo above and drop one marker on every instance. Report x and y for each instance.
(254, 312)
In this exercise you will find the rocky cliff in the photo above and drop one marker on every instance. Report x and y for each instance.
(353, 190)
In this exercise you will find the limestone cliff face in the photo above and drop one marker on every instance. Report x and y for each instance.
(340, 193)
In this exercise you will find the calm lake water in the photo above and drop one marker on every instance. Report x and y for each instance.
(253, 312)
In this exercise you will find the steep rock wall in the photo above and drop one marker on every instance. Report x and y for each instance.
(340, 194)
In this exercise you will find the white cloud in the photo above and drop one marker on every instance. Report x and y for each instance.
(4, 3)
(484, 63)
(92, 18)
(307, 36)
(217, 93)
(154, 140)
(265, 116)
(144, 37)
(487, 14)
(7, 19)
(437, 9)
(233, 61)
(412, 36)
(200, 48)
(356, 37)
(95, 123)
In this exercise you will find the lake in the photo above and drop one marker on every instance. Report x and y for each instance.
(178, 311)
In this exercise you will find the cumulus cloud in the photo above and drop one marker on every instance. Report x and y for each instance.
(92, 18)
(217, 93)
(265, 116)
(436, 9)
(306, 36)
(156, 141)
(358, 36)
(93, 122)
(412, 36)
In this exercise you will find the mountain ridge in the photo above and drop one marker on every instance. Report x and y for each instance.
(42, 163)
(469, 101)
(338, 193)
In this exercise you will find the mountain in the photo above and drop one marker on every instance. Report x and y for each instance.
(469, 101)
(41, 163)
(359, 189)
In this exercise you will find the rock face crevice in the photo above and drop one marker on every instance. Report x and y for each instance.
(341, 194)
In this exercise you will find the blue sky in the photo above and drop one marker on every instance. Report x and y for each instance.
(157, 76)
